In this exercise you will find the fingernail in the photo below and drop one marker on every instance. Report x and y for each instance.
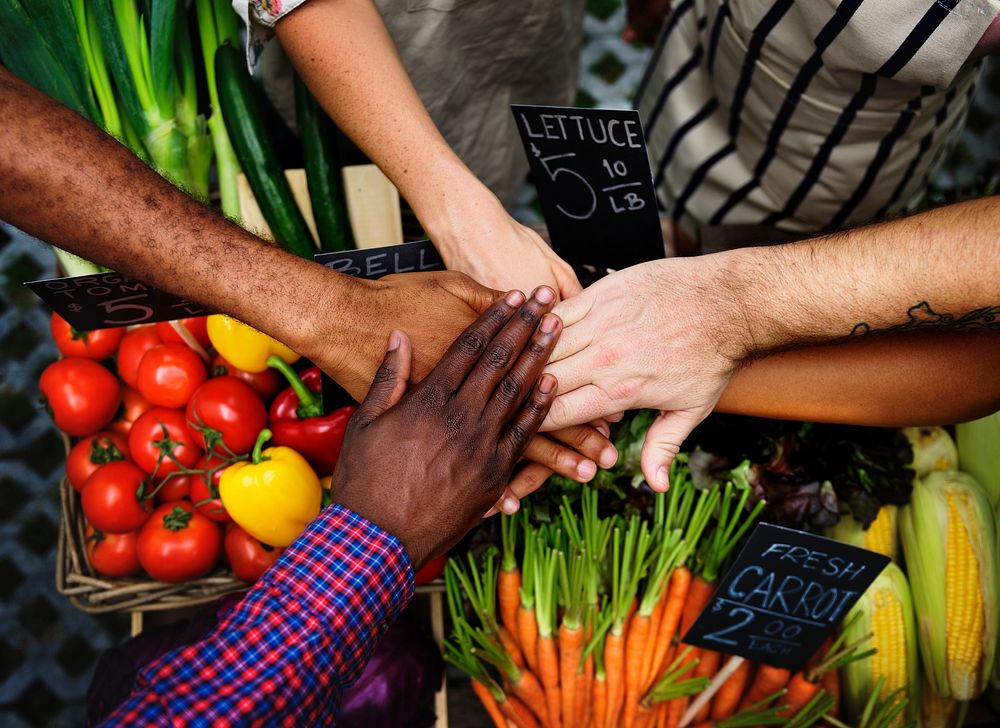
(491, 512)
(546, 384)
(609, 456)
(663, 477)
(544, 294)
(549, 323)
(510, 505)
(587, 470)
(514, 298)
(604, 430)
(394, 341)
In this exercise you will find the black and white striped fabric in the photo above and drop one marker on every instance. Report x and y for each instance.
(806, 114)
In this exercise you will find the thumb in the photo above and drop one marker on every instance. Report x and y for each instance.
(390, 380)
(477, 296)
(663, 442)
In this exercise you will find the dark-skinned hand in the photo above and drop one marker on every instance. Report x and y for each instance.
(426, 464)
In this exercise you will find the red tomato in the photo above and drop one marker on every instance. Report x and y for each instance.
(151, 448)
(431, 570)
(133, 406)
(133, 347)
(174, 487)
(91, 453)
(110, 498)
(266, 383)
(113, 554)
(248, 557)
(82, 395)
(225, 412)
(197, 326)
(169, 374)
(205, 489)
(178, 543)
(98, 344)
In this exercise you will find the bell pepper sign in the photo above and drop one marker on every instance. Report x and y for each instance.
(787, 591)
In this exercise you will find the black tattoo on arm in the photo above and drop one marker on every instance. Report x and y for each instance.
(922, 316)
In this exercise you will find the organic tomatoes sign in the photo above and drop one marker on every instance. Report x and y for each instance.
(592, 174)
(787, 591)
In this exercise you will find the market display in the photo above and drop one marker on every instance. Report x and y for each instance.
(578, 618)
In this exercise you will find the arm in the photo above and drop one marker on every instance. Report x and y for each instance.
(305, 631)
(344, 54)
(670, 334)
(67, 182)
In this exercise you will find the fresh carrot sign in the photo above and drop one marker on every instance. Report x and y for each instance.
(786, 592)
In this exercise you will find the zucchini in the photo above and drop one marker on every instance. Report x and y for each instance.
(326, 188)
(256, 153)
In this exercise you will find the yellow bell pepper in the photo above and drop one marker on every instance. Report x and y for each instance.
(274, 496)
(244, 346)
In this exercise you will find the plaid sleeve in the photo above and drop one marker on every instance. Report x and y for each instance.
(285, 654)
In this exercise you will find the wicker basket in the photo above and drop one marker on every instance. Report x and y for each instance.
(92, 593)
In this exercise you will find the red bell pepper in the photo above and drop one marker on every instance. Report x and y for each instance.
(297, 420)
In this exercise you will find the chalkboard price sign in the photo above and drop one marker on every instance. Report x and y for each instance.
(373, 263)
(787, 591)
(592, 173)
(106, 300)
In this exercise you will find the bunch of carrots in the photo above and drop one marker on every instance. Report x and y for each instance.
(577, 621)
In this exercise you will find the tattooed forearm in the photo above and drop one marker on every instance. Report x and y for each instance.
(923, 316)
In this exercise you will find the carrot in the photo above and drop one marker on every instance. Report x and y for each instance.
(614, 659)
(675, 710)
(548, 667)
(508, 585)
(585, 706)
(635, 649)
(831, 684)
(680, 583)
(768, 681)
(570, 646)
(527, 623)
(663, 710)
(527, 688)
(708, 666)
(519, 713)
(800, 692)
(728, 698)
(600, 700)
(527, 634)
(648, 653)
(510, 646)
(490, 703)
(644, 716)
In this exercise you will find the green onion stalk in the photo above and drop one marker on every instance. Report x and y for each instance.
(217, 25)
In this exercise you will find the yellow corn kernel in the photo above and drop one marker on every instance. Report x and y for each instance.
(882, 535)
(964, 605)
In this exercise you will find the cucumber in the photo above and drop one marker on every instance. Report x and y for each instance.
(256, 153)
(326, 189)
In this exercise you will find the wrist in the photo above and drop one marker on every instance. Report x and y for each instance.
(452, 200)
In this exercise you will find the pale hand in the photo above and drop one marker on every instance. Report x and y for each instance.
(658, 335)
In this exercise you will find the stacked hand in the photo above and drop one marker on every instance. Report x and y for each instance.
(425, 464)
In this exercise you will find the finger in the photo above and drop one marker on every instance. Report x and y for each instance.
(569, 284)
(507, 349)
(663, 442)
(390, 379)
(616, 417)
(527, 480)
(581, 405)
(602, 425)
(511, 391)
(465, 351)
(528, 419)
(476, 295)
(589, 442)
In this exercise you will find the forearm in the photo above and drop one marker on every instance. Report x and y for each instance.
(67, 182)
(933, 271)
(910, 378)
(347, 59)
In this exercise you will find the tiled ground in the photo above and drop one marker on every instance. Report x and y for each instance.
(47, 648)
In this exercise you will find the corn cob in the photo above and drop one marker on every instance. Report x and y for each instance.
(933, 449)
(937, 711)
(882, 535)
(948, 537)
(886, 612)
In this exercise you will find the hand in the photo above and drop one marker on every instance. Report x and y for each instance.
(489, 245)
(658, 335)
(426, 465)
(434, 308)
(644, 20)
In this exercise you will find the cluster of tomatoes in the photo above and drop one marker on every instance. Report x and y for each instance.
(154, 441)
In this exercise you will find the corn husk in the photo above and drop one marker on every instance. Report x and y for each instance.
(881, 536)
(979, 453)
(933, 449)
(936, 579)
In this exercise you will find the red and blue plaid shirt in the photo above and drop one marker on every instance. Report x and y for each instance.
(284, 655)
